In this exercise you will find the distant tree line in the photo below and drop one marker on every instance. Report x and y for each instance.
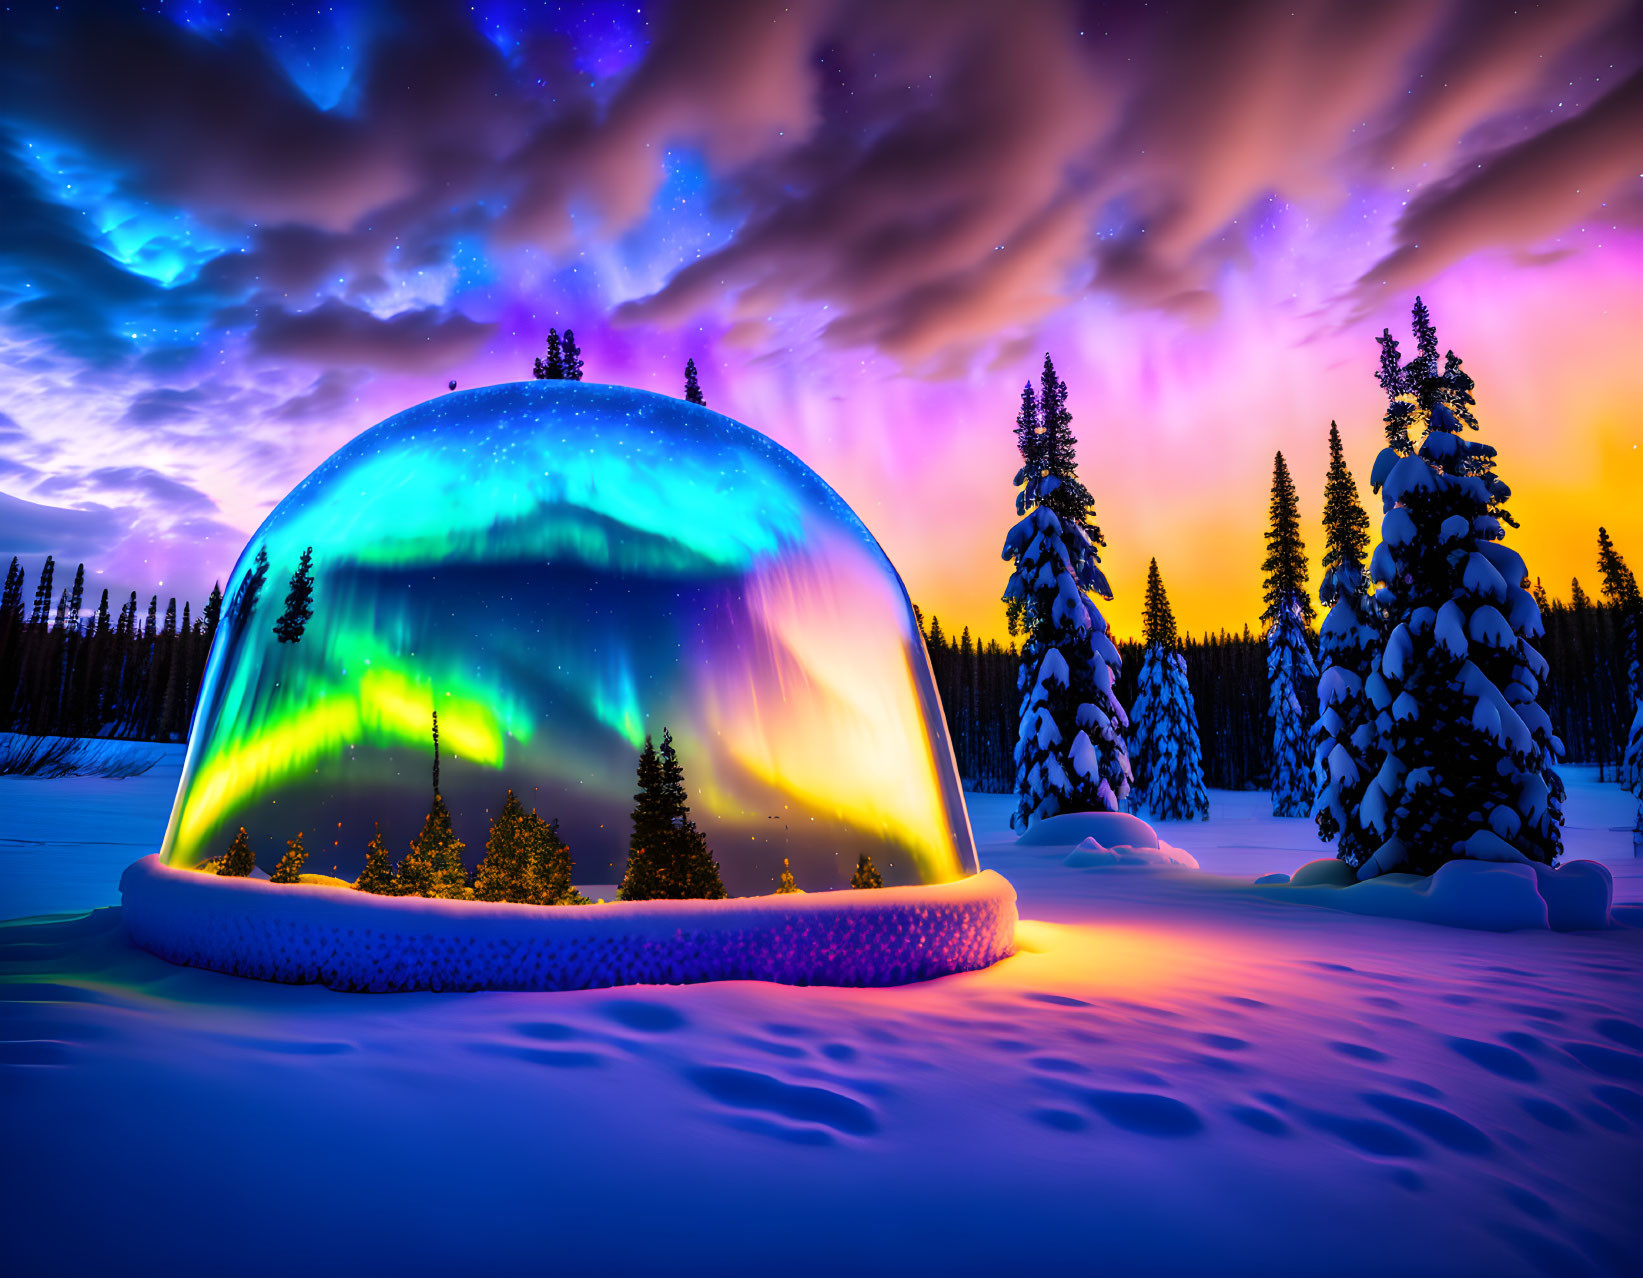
(77, 671)
(1585, 695)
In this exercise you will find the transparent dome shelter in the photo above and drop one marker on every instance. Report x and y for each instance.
(560, 568)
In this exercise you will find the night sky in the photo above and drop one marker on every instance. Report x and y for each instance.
(233, 236)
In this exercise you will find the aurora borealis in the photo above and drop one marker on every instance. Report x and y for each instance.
(559, 569)
(233, 237)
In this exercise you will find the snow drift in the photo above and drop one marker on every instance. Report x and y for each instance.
(311, 933)
(1488, 896)
(1106, 839)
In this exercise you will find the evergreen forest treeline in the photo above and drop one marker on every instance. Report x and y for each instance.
(74, 670)
(1585, 695)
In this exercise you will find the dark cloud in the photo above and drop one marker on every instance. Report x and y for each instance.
(335, 333)
(325, 396)
(211, 121)
(53, 280)
(1522, 195)
(922, 177)
(150, 488)
(28, 528)
(163, 404)
(936, 198)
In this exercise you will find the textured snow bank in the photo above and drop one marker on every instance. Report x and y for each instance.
(351, 940)
(1488, 896)
(1090, 854)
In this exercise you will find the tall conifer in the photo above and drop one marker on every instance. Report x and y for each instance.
(299, 600)
(1070, 753)
(1469, 757)
(1289, 658)
(693, 388)
(1167, 754)
(1344, 751)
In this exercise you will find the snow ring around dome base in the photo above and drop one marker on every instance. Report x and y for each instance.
(349, 940)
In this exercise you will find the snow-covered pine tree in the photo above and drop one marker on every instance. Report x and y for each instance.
(1344, 753)
(1070, 753)
(1469, 756)
(299, 601)
(290, 865)
(1169, 783)
(1289, 653)
(377, 876)
(572, 357)
(693, 387)
(867, 874)
(239, 860)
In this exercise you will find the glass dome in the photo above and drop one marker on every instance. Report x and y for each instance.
(559, 568)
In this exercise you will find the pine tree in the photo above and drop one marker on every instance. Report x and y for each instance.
(433, 867)
(213, 613)
(41, 616)
(1469, 754)
(1070, 752)
(290, 865)
(867, 874)
(551, 865)
(1164, 737)
(643, 878)
(1620, 592)
(694, 869)
(378, 875)
(507, 872)
(553, 368)
(1289, 658)
(572, 358)
(668, 856)
(785, 884)
(693, 388)
(1344, 751)
(299, 601)
(1578, 598)
(240, 860)
(249, 591)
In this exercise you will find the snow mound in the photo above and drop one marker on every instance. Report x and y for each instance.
(1091, 855)
(302, 933)
(1487, 896)
(1109, 829)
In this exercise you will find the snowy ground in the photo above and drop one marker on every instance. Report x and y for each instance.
(1170, 1078)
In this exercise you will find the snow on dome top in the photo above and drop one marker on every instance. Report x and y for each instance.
(559, 568)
